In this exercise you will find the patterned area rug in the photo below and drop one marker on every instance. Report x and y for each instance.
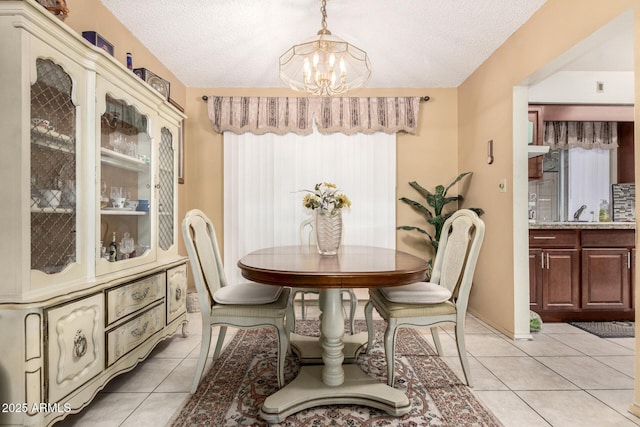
(616, 329)
(232, 392)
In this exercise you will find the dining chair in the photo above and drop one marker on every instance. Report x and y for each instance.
(242, 305)
(308, 237)
(442, 300)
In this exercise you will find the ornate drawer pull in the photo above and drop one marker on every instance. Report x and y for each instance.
(178, 294)
(79, 344)
(137, 296)
(137, 333)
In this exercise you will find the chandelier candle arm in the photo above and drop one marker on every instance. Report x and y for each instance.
(311, 66)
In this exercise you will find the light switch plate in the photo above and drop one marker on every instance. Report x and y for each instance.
(502, 185)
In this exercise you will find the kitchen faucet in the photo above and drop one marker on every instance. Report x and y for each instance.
(576, 216)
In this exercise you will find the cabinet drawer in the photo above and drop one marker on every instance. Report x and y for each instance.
(553, 238)
(75, 345)
(134, 296)
(128, 336)
(608, 238)
(176, 292)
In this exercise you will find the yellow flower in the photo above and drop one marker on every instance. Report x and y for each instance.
(343, 201)
(324, 196)
(310, 201)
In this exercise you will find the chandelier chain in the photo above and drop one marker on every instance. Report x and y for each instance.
(323, 10)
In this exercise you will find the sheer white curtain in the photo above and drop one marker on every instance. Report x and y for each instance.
(263, 176)
(589, 181)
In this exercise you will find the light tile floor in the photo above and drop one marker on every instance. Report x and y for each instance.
(564, 377)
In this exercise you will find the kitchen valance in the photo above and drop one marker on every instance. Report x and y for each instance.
(280, 115)
(587, 135)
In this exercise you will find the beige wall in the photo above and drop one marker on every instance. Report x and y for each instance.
(91, 15)
(486, 113)
(453, 131)
(428, 157)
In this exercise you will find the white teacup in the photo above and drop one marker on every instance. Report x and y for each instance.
(118, 202)
(131, 204)
(42, 124)
(50, 198)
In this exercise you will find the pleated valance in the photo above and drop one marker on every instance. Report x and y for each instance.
(348, 115)
(587, 135)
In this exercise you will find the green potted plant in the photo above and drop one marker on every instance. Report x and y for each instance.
(434, 216)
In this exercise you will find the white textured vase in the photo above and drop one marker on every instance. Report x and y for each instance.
(328, 231)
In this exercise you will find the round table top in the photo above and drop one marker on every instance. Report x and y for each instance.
(352, 267)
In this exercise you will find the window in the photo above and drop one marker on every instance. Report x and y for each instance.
(264, 176)
(573, 178)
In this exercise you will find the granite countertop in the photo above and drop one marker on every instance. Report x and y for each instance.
(572, 225)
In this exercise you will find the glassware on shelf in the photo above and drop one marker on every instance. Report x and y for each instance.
(104, 199)
(127, 246)
(117, 197)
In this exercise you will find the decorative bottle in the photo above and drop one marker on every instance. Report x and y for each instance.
(603, 215)
(113, 249)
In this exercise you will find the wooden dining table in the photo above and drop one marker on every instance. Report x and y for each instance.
(332, 381)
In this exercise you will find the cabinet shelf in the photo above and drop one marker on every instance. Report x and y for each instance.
(50, 210)
(53, 141)
(122, 212)
(122, 161)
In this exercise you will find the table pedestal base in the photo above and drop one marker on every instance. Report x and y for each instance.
(307, 390)
(309, 350)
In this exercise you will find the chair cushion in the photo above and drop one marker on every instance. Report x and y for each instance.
(446, 311)
(417, 293)
(247, 294)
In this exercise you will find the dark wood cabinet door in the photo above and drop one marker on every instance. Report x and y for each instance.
(606, 275)
(561, 279)
(535, 163)
(535, 279)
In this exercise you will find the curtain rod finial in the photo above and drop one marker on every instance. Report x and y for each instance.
(425, 98)
(205, 97)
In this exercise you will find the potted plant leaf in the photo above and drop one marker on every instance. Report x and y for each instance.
(434, 216)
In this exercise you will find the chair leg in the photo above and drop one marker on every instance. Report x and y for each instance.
(436, 340)
(204, 353)
(368, 315)
(462, 353)
(220, 342)
(304, 316)
(352, 314)
(389, 351)
(283, 345)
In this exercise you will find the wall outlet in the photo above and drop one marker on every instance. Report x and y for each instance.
(502, 185)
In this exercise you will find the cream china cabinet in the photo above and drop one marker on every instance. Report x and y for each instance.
(89, 157)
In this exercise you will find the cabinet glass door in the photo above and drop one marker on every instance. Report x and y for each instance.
(53, 170)
(125, 182)
(166, 178)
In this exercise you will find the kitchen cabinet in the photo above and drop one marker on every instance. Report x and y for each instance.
(535, 138)
(582, 273)
(606, 269)
(556, 267)
(76, 124)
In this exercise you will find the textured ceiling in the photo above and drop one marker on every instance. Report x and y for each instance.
(234, 43)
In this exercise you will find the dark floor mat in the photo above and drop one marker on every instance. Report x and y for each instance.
(615, 329)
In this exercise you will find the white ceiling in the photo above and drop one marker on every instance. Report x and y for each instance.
(410, 43)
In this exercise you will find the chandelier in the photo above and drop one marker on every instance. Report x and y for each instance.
(324, 64)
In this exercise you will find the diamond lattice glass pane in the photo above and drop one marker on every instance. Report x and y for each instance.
(165, 207)
(53, 169)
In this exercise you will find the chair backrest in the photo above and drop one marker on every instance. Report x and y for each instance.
(204, 256)
(458, 250)
(307, 232)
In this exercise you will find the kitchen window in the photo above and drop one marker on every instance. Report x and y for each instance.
(573, 178)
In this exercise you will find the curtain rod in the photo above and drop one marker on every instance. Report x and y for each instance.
(422, 98)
